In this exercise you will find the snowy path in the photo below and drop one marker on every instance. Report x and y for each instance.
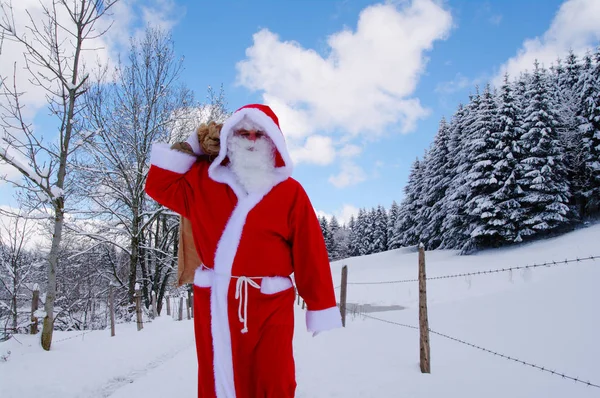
(172, 375)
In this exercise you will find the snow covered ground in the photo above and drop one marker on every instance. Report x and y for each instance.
(546, 316)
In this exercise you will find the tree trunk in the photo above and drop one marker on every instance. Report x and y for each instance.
(34, 307)
(48, 325)
(14, 313)
(14, 307)
(133, 262)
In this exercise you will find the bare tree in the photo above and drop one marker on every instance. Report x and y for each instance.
(16, 266)
(53, 58)
(139, 103)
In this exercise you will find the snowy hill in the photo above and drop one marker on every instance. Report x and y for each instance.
(547, 316)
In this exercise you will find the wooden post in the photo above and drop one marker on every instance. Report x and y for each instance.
(192, 303)
(34, 306)
(423, 320)
(154, 309)
(168, 303)
(180, 308)
(111, 305)
(138, 307)
(187, 306)
(303, 304)
(298, 297)
(343, 292)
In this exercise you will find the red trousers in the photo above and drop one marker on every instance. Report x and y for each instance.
(263, 361)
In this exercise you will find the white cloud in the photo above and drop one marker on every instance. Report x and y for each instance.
(162, 13)
(317, 149)
(459, 83)
(363, 84)
(350, 174)
(576, 26)
(350, 150)
(343, 215)
(495, 19)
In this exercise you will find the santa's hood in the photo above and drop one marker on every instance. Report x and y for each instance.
(263, 117)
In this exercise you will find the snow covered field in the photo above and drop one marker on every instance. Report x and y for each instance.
(546, 316)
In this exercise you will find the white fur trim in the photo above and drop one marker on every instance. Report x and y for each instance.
(222, 174)
(320, 321)
(275, 284)
(203, 277)
(166, 158)
(193, 141)
(224, 256)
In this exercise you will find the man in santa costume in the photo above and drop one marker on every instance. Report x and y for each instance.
(253, 227)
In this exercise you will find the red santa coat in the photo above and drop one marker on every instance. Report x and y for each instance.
(250, 245)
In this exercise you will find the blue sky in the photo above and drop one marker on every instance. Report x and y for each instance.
(359, 101)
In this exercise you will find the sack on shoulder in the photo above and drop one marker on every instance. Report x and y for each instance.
(187, 256)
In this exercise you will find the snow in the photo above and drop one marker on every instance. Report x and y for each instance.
(546, 316)
(57, 192)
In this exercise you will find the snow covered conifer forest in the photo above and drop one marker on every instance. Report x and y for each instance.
(516, 163)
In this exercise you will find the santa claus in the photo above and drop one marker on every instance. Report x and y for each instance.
(253, 228)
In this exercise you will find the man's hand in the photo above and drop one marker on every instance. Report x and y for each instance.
(183, 147)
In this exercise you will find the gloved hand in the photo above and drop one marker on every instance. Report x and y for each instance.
(209, 138)
(183, 147)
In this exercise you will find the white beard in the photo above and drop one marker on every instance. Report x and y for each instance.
(253, 163)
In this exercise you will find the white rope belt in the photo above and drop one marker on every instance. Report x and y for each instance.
(241, 294)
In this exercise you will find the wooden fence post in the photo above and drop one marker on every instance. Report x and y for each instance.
(34, 306)
(168, 303)
(138, 306)
(154, 309)
(187, 306)
(111, 305)
(343, 293)
(180, 308)
(423, 320)
(192, 303)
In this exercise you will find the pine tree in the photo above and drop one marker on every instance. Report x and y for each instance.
(507, 170)
(370, 232)
(544, 175)
(363, 232)
(566, 97)
(391, 226)
(482, 212)
(437, 180)
(455, 226)
(379, 242)
(454, 143)
(352, 237)
(327, 235)
(590, 134)
(405, 232)
(334, 228)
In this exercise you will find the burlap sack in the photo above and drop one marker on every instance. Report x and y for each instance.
(187, 256)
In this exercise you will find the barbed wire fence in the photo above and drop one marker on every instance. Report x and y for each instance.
(507, 357)
(356, 310)
(486, 272)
